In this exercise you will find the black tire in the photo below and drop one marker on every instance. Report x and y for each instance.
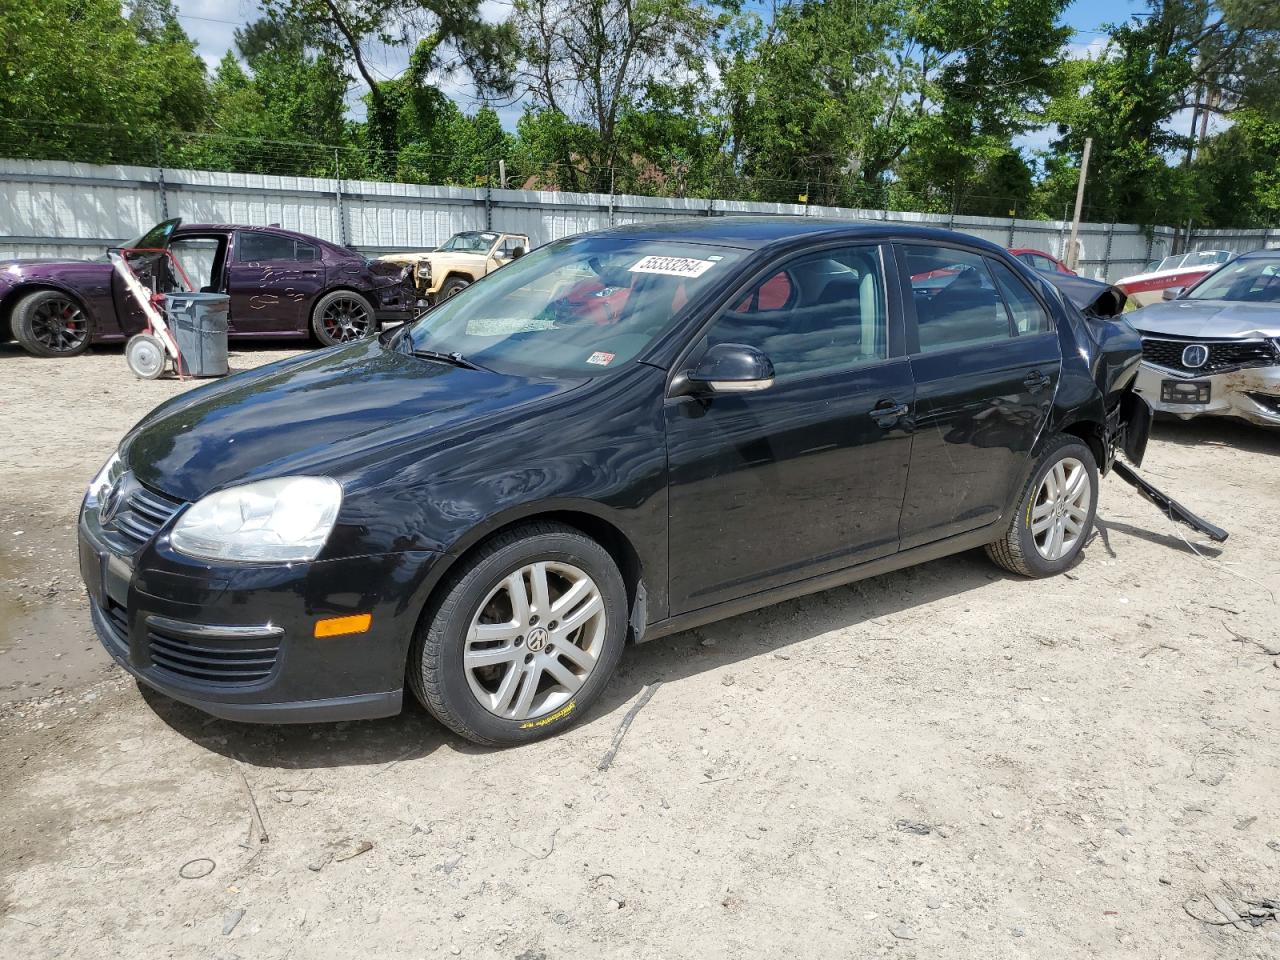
(453, 286)
(49, 323)
(342, 316)
(1016, 551)
(435, 668)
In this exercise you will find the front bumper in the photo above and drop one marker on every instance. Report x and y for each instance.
(237, 640)
(397, 314)
(1251, 394)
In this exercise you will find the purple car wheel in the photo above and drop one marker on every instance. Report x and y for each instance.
(341, 317)
(50, 324)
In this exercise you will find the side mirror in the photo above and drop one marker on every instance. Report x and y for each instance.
(728, 368)
(1172, 293)
(517, 253)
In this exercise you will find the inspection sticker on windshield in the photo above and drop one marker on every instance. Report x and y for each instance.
(600, 358)
(673, 266)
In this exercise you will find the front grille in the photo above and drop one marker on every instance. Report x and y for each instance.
(1224, 355)
(143, 514)
(194, 652)
(203, 655)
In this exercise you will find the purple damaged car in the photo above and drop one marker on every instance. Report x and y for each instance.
(281, 284)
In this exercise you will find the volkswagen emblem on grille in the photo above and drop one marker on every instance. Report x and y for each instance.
(1195, 356)
(111, 502)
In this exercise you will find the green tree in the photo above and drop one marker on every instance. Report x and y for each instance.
(83, 62)
(1203, 55)
(345, 28)
(910, 96)
(549, 151)
(590, 61)
(1238, 172)
(280, 113)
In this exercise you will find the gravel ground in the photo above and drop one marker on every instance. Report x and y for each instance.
(946, 762)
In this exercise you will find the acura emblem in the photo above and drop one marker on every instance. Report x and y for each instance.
(1195, 356)
(111, 502)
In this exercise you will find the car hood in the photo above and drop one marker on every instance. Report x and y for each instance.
(439, 258)
(319, 413)
(387, 272)
(1209, 319)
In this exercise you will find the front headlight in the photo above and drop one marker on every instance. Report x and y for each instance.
(100, 484)
(271, 521)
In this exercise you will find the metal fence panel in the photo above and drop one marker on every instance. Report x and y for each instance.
(56, 208)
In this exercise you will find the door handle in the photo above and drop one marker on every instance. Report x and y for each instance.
(886, 412)
(1035, 380)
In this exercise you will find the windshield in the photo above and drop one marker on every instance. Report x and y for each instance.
(1200, 258)
(469, 242)
(1247, 281)
(578, 307)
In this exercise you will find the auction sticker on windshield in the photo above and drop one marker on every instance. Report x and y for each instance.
(673, 266)
(600, 358)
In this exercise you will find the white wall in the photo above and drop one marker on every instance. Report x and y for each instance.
(54, 208)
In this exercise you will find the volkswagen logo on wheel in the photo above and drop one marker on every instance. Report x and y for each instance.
(538, 639)
(1195, 356)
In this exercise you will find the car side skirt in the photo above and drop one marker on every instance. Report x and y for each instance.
(872, 568)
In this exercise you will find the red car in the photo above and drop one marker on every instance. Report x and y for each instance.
(281, 284)
(1041, 261)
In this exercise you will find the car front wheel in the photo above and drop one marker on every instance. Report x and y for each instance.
(524, 638)
(453, 287)
(1055, 513)
(50, 324)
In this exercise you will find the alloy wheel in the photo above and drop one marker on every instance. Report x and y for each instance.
(59, 325)
(1061, 508)
(535, 640)
(346, 319)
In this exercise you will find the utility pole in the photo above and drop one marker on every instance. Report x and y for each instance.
(502, 174)
(1073, 249)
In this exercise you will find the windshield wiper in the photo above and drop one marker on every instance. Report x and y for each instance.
(455, 359)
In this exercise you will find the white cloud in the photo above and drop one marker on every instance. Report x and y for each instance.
(212, 24)
(1086, 51)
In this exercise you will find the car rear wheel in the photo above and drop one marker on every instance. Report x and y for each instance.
(342, 316)
(453, 286)
(524, 637)
(1054, 514)
(50, 324)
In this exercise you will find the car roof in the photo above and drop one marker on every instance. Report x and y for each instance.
(759, 232)
(222, 227)
(1263, 254)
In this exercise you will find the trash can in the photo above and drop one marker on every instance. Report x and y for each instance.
(199, 324)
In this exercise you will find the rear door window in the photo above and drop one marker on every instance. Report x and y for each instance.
(253, 247)
(956, 300)
(1028, 316)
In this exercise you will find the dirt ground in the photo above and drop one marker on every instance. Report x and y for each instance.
(946, 762)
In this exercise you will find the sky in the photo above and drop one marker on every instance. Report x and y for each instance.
(212, 24)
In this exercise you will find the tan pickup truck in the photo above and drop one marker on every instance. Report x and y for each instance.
(461, 260)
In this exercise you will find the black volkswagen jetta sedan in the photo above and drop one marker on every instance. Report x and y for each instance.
(618, 436)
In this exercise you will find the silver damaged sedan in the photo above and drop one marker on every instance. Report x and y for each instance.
(1214, 348)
